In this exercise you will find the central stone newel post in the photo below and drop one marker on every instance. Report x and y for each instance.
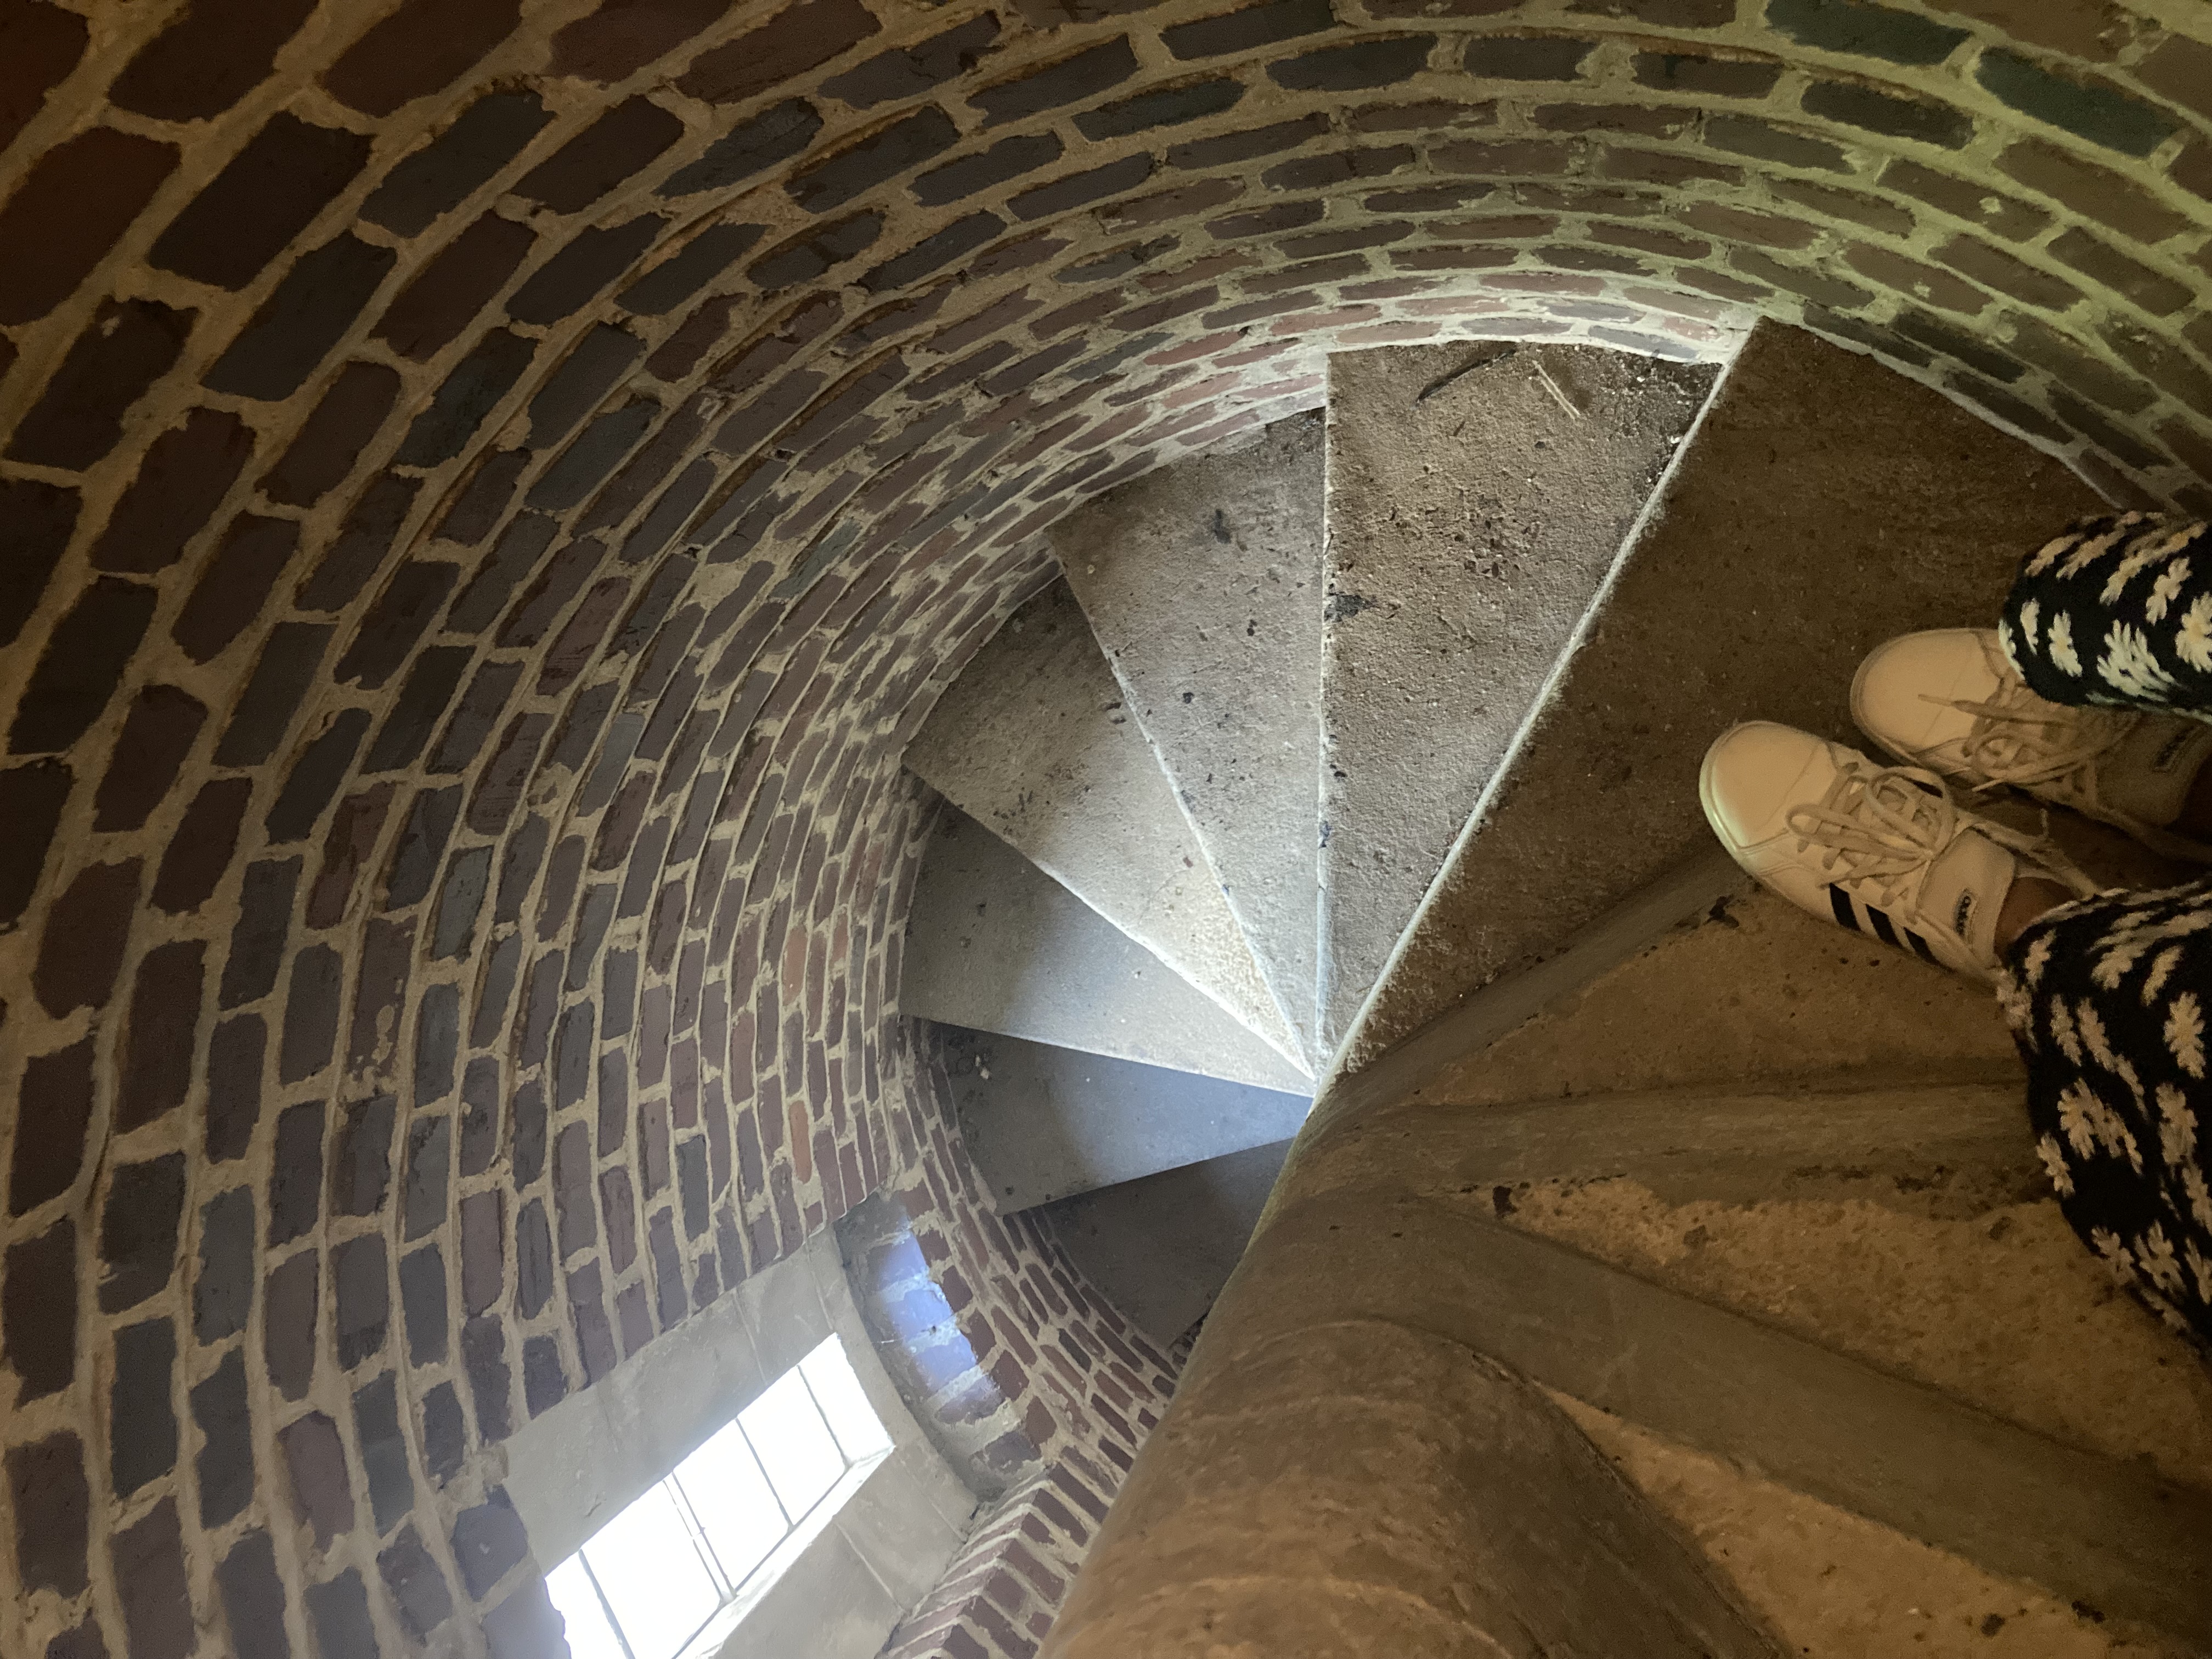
(1344, 1473)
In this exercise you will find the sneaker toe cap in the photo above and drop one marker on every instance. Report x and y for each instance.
(1754, 773)
(1903, 694)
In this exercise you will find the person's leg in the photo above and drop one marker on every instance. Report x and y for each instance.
(2095, 691)
(2116, 612)
(2106, 999)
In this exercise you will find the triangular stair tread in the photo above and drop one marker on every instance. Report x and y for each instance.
(1202, 581)
(1035, 741)
(1753, 994)
(1823, 505)
(1045, 1123)
(994, 944)
(1478, 494)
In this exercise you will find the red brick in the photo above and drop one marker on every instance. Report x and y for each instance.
(623, 36)
(269, 192)
(129, 345)
(186, 472)
(445, 297)
(1710, 281)
(347, 849)
(1079, 189)
(2156, 293)
(55, 1110)
(330, 440)
(1523, 228)
(441, 175)
(1814, 285)
(1967, 198)
(200, 851)
(1644, 166)
(83, 665)
(800, 38)
(81, 950)
(235, 585)
(1430, 118)
(1937, 287)
(1284, 216)
(1736, 224)
(1354, 68)
(918, 67)
(2192, 168)
(1322, 243)
(1510, 158)
(2091, 190)
(80, 197)
(2080, 28)
(215, 53)
(157, 734)
(1854, 205)
(33, 796)
(1234, 147)
(596, 160)
(1677, 304)
(1073, 79)
(1991, 267)
(2180, 68)
(158, 1060)
(1646, 240)
(321, 297)
(1162, 206)
(414, 50)
(2167, 365)
(40, 45)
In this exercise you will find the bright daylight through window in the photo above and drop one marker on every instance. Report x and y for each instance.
(712, 1535)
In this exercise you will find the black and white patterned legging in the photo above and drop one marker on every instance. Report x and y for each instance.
(2107, 998)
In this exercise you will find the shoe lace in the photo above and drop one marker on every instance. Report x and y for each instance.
(2019, 739)
(1878, 823)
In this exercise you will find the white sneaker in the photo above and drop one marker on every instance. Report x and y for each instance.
(1949, 701)
(1880, 849)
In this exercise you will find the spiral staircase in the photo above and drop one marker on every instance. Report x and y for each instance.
(1357, 761)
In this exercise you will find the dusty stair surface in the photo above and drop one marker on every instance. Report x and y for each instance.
(996, 945)
(1202, 582)
(1811, 1151)
(1478, 494)
(1044, 1122)
(1823, 505)
(1036, 742)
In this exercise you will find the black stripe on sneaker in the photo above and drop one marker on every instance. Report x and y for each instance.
(1840, 903)
(1882, 930)
(1920, 947)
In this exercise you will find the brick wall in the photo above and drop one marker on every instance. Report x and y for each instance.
(1035, 1388)
(1010, 1357)
(1000, 1596)
(484, 498)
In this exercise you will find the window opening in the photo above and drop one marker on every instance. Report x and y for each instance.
(650, 1581)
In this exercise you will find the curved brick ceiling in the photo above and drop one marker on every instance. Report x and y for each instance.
(485, 498)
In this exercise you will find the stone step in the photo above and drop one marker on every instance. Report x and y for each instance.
(2115, 1532)
(994, 944)
(1203, 583)
(1478, 494)
(1829, 1582)
(1036, 742)
(1161, 1248)
(1808, 1131)
(1045, 1123)
(1823, 505)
